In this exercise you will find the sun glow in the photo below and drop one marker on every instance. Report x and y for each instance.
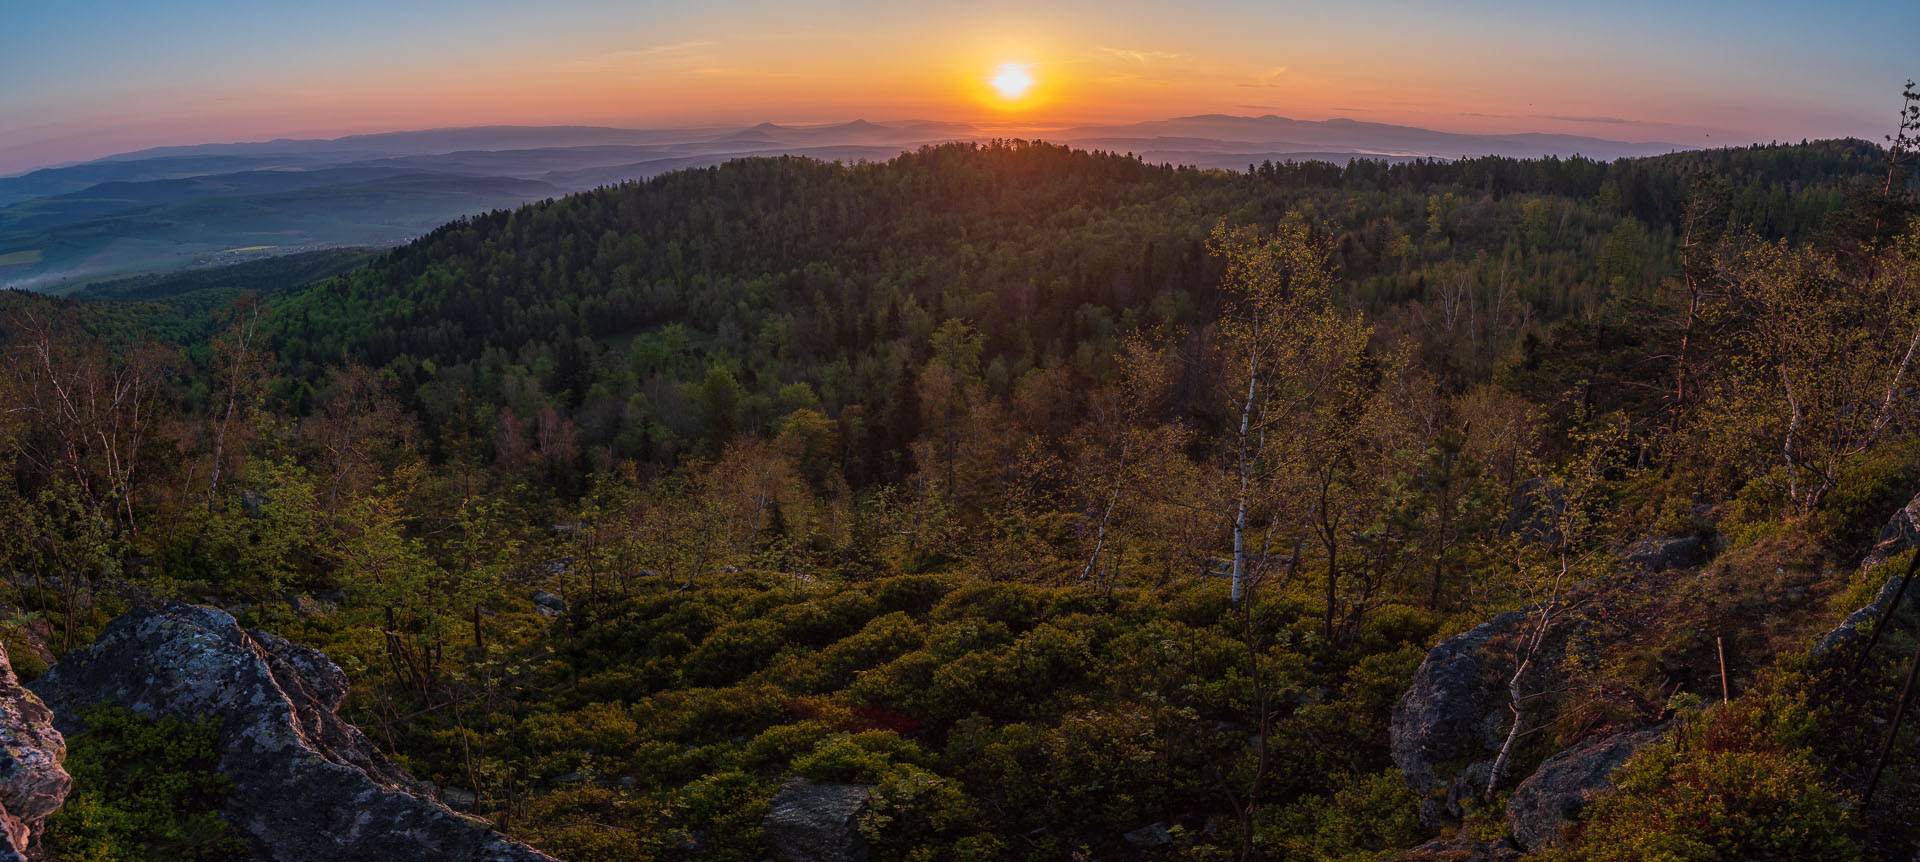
(1012, 81)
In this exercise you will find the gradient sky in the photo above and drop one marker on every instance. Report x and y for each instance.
(81, 79)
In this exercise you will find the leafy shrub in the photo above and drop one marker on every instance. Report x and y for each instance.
(143, 790)
(1738, 782)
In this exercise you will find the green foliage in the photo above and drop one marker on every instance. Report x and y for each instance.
(1737, 782)
(143, 790)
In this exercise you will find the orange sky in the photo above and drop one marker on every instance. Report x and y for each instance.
(83, 83)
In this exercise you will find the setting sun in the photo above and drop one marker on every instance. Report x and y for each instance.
(1012, 81)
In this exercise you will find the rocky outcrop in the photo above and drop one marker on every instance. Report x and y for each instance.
(816, 822)
(1439, 718)
(1553, 797)
(307, 786)
(1901, 532)
(548, 604)
(1665, 553)
(32, 784)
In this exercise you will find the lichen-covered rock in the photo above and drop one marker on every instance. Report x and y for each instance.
(1560, 789)
(307, 786)
(1665, 553)
(815, 822)
(1901, 532)
(1439, 717)
(32, 784)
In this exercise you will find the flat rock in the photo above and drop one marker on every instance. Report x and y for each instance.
(1460, 850)
(816, 822)
(1665, 553)
(307, 786)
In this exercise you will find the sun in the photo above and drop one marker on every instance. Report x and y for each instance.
(1012, 80)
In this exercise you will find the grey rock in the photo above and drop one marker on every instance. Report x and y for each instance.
(1150, 835)
(459, 799)
(1442, 711)
(1901, 532)
(1460, 849)
(548, 604)
(307, 786)
(32, 784)
(1665, 553)
(816, 822)
(1466, 790)
(252, 504)
(307, 607)
(1561, 788)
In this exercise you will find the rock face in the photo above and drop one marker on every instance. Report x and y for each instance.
(1664, 553)
(32, 784)
(815, 822)
(1902, 531)
(307, 786)
(1557, 792)
(1439, 717)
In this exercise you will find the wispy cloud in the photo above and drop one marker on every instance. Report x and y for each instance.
(621, 59)
(1141, 56)
(1610, 120)
(1269, 77)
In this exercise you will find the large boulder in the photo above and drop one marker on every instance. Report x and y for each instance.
(1440, 717)
(307, 786)
(816, 822)
(1553, 797)
(1664, 553)
(32, 784)
(1901, 532)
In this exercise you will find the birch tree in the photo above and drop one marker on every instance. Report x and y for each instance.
(1291, 362)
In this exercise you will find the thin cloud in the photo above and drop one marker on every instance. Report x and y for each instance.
(632, 55)
(1610, 120)
(1141, 56)
(1269, 77)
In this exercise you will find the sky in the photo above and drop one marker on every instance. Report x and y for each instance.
(81, 79)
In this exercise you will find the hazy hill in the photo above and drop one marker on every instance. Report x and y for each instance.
(164, 208)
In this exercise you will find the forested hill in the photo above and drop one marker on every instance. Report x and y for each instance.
(629, 309)
(1058, 505)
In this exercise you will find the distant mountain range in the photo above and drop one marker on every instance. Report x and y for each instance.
(171, 208)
